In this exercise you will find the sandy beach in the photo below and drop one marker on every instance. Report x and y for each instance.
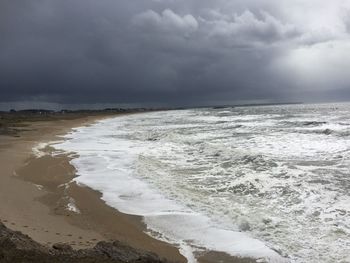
(38, 198)
(33, 202)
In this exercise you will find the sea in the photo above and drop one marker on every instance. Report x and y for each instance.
(267, 182)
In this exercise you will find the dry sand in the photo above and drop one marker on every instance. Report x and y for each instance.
(35, 192)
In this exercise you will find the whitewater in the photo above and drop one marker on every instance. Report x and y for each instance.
(268, 182)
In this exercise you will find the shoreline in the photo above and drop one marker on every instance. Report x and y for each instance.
(33, 204)
(43, 181)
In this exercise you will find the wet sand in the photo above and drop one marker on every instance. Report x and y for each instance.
(35, 193)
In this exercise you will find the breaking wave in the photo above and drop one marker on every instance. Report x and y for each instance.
(268, 182)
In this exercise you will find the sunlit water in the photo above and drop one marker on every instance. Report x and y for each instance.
(250, 181)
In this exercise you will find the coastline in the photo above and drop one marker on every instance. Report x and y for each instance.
(36, 198)
(33, 204)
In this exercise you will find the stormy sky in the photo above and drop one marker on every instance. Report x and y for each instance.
(173, 52)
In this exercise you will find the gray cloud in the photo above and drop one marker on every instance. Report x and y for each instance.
(172, 52)
(167, 21)
(347, 21)
(248, 29)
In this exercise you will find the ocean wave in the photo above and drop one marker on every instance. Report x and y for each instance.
(279, 174)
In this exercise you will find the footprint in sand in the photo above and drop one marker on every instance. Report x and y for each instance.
(25, 226)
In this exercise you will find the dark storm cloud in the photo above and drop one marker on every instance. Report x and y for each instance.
(169, 52)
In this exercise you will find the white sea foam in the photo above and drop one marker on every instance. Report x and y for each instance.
(38, 149)
(199, 177)
(71, 206)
